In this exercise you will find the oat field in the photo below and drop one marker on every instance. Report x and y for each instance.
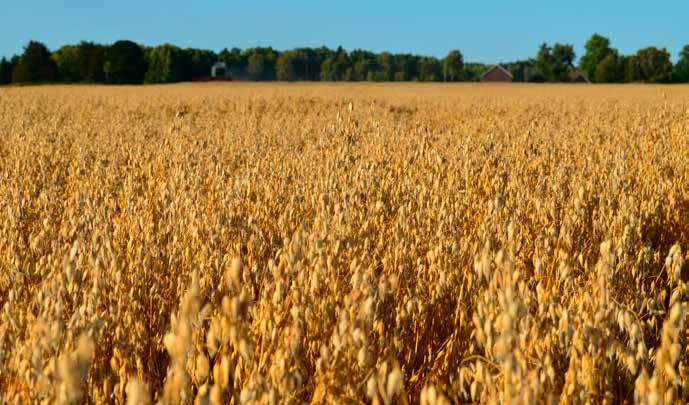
(385, 244)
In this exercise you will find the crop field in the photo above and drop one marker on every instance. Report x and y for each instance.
(344, 243)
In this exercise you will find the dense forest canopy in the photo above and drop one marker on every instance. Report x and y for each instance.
(131, 63)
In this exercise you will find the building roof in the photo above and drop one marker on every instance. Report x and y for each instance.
(502, 69)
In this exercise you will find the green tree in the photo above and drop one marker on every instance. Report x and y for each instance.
(386, 66)
(67, 66)
(407, 67)
(36, 65)
(164, 64)
(653, 65)
(631, 69)
(473, 71)
(553, 64)
(362, 62)
(363, 67)
(522, 70)
(312, 63)
(5, 71)
(319, 55)
(680, 72)
(125, 63)
(235, 61)
(453, 66)
(256, 67)
(202, 61)
(430, 69)
(261, 63)
(544, 64)
(290, 66)
(335, 65)
(597, 49)
(610, 69)
(91, 62)
(562, 61)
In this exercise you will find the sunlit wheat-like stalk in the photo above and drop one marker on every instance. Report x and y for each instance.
(382, 244)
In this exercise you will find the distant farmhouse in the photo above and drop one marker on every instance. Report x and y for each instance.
(496, 73)
(219, 69)
(578, 76)
(219, 73)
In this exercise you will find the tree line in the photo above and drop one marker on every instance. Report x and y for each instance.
(126, 62)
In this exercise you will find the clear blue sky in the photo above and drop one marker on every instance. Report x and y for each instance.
(498, 31)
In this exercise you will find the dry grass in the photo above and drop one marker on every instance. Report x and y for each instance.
(344, 243)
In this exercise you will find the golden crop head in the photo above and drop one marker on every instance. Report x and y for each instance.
(344, 243)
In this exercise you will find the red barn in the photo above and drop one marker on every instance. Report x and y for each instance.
(496, 73)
